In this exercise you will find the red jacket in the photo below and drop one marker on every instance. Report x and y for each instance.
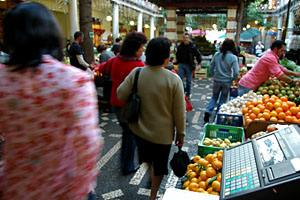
(120, 68)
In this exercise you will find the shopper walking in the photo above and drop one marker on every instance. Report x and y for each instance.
(186, 53)
(104, 54)
(224, 68)
(116, 47)
(129, 58)
(162, 110)
(76, 53)
(48, 113)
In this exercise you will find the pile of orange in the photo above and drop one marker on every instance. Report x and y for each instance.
(271, 109)
(204, 175)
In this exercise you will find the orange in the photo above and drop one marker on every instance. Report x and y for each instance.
(266, 116)
(298, 115)
(193, 186)
(273, 113)
(196, 158)
(288, 113)
(280, 120)
(288, 119)
(192, 174)
(256, 110)
(220, 156)
(196, 167)
(202, 185)
(186, 184)
(265, 97)
(262, 119)
(254, 102)
(248, 121)
(216, 185)
(274, 97)
(200, 190)
(210, 157)
(269, 106)
(262, 108)
(194, 180)
(209, 190)
(294, 119)
(248, 104)
(219, 177)
(271, 100)
(277, 105)
(215, 193)
(294, 110)
(203, 162)
(281, 115)
(267, 110)
(244, 110)
(285, 106)
(260, 102)
(211, 172)
(279, 110)
(291, 104)
(252, 116)
(187, 188)
(273, 119)
(217, 164)
(203, 175)
(250, 107)
(259, 115)
(284, 99)
(190, 166)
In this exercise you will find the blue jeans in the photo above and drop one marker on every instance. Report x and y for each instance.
(243, 90)
(128, 144)
(185, 69)
(218, 88)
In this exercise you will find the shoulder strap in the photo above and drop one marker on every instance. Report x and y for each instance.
(111, 65)
(136, 77)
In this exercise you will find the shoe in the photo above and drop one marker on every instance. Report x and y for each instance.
(130, 172)
(206, 117)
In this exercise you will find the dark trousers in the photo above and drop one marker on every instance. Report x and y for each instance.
(128, 144)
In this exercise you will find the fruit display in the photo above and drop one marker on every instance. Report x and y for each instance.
(279, 88)
(218, 142)
(235, 105)
(271, 109)
(289, 64)
(204, 174)
(270, 128)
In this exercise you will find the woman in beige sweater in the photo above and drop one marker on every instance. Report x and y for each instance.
(162, 110)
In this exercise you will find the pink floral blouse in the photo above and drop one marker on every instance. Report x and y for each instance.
(52, 141)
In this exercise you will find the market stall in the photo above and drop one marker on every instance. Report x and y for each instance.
(252, 149)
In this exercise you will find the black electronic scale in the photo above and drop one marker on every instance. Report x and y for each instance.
(267, 167)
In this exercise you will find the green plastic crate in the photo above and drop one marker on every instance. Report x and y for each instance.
(234, 134)
(207, 70)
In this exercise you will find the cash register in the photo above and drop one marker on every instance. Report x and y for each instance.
(267, 167)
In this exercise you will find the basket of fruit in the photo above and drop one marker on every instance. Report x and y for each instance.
(218, 137)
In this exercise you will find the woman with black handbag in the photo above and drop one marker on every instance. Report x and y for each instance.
(119, 67)
(162, 110)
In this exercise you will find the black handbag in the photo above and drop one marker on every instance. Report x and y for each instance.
(179, 162)
(105, 81)
(130, 111)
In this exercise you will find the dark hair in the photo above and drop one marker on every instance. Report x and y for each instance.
(158, 49)
(228, 45)
(278, 44)
(118, 39)
(29, 31)
(101, 48)
(187, 34)
(132, 43)
(77, 34)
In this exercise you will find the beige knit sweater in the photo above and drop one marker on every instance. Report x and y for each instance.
(162, 104)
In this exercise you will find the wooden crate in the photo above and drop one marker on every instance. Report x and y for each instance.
(201, 73)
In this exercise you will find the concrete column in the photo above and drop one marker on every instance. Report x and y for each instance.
(180, 27)
(263, 32)
(115, 21)
(281, 3)
(151, 27)
(140, 22)
(279, 26)
(231, 22)
(291, 25)
(73, 18)
(171, 25)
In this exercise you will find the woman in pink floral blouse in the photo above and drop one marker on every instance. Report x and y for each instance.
(48, 113)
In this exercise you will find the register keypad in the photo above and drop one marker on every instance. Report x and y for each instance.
(241, 170)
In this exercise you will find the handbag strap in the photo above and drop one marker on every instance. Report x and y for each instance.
(136, 77)
(109, 66)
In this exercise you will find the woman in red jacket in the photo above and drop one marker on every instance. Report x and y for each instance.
(121, 65)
